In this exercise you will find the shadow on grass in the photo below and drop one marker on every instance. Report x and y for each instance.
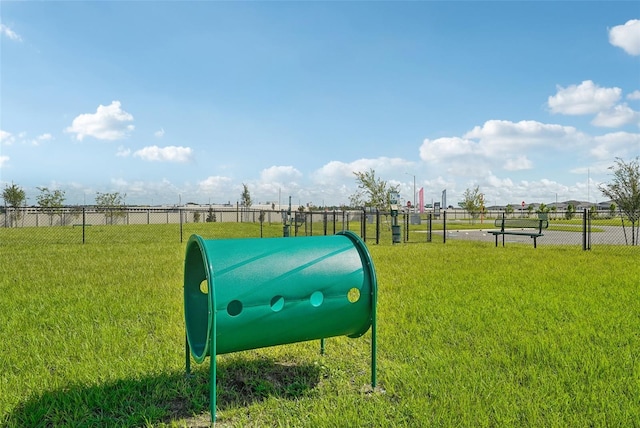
(165, 398)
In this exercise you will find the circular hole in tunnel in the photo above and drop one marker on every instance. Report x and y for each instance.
(204, 287)
(353, 295)
(277, 303)
(316, 298)
(234, 308)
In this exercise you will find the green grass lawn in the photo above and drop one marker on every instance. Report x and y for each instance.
(468, 335)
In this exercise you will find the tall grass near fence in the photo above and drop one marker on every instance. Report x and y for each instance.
(469, 335)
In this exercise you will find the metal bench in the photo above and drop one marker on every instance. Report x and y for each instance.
(517, 226)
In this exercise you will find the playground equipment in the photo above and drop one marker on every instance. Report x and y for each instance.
(242, 294)
(395, 227)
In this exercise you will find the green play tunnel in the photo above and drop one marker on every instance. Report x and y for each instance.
(242, 294)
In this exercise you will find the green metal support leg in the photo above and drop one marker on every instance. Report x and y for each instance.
(212, 377)
(374, 338)
(187, 357)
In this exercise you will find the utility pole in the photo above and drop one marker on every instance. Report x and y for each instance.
(414, 194)
(414, 191)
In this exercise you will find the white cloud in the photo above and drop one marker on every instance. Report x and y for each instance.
(337, 171)
(277, 179)
(280, 174)
(598, 167)
(159, 133)
(616, 144)
(10, 33)
(6, 138)
(518, 164)
(107, 123)
(164, 154)
(4, 160)
(334, 170)
(494, 181)
(120, 182)
(585, 98)
(41, 139)
(502, 191)
(626, 36)
(500, 136)
(498, 144)
(635, 95)
(218, 184)
(123, 152)
(333, 174)
(617, 116)
(447, 148)
(146, 192)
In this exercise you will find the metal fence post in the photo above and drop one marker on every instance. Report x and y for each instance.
(363, 225)
(377, 226)
(180, 213)
(325, 220)
(586, 230)
(444, 226)
(406, 226)
(589, 232)
(334, 222)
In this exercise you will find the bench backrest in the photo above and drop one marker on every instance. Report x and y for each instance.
(532, 223)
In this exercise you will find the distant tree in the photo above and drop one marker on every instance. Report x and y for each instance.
(112, 205)
(51, 202)
(245, 197)
(508, 210)
(372, 191)
(299, 217)
(542, 208)
(245, 201)
(570, 212)
(196, 216)
(543, 211)
(14, 196)
(624, 191)
(211, 216)
(472, 202)
(612, 210)
(554, 210)
(593, 211)
(529, 209)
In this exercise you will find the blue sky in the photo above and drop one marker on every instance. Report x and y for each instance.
(172, 102)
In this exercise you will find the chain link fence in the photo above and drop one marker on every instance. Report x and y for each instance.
(90, 224)
(587, 229)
